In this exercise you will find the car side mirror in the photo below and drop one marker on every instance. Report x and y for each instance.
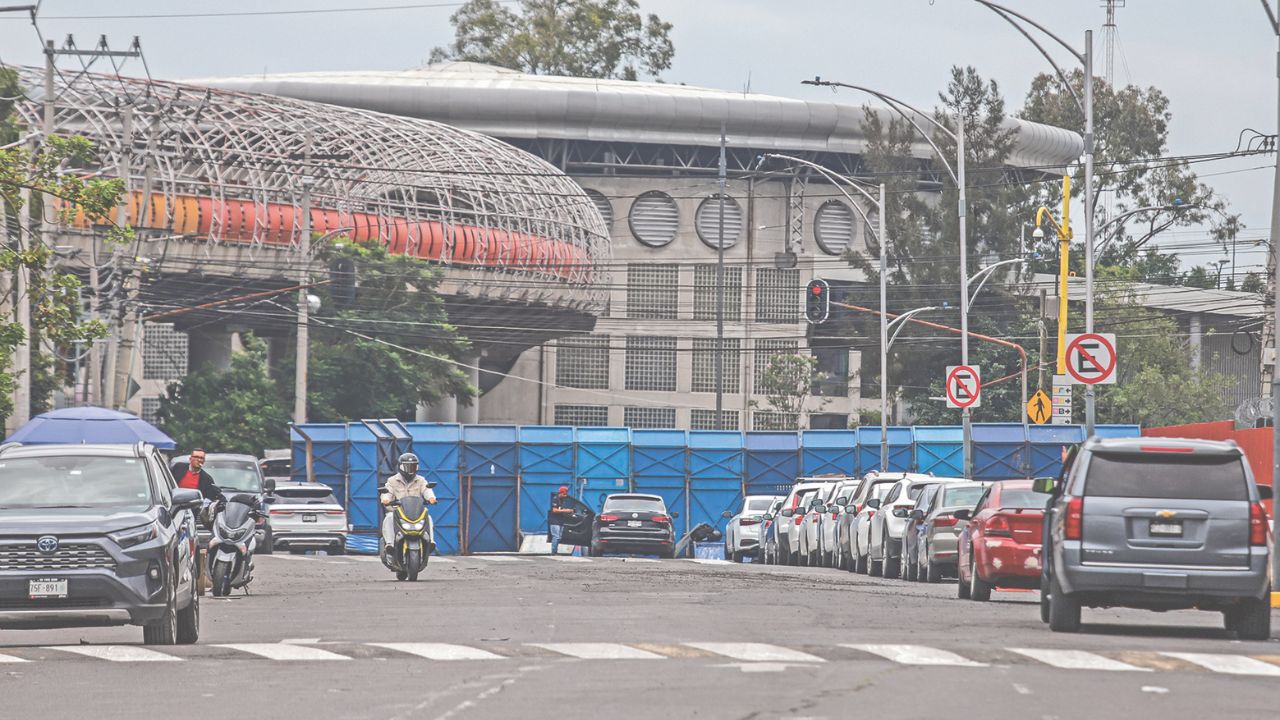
(766, 517)
(873, 503)
(917, 514)
(1043, 485)
(787, 512)
(1265, 492)
(269, 485)
(184, 499)
(900, 512)
(726, 514)
(818, 508)
(963, 514)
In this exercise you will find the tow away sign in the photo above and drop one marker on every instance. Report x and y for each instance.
(964, 386)
(1091, 358)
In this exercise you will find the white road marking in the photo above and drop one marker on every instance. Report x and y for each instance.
(1155, 690)
(917, 655)
(1077, 660)
(640, 560)
(117, 653)
(365, 558)
(440, 651)
(756, 652)
(497, 558)
(599, 651)
(300, 641)
(1022, 689)
(285, 556)
(567, 558)
(1227, 664)
(708, 561)
(278, 651)
(10, 659)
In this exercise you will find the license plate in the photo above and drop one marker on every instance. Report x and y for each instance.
(309, 517)
(634, 523)
(47, 589)
(1166, 528)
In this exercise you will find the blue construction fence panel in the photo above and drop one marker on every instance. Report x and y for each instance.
(659, 467)
(1117, 431)
(772, 462)
(939, 450)
(368, 442)
(1047, 445)
(899, 449)
(546, 465)
(489, 471)
(603, 463)
(828, 452)
(328, 455)
(999, 451)
(400, 441)
(716, 467)
(438, 447)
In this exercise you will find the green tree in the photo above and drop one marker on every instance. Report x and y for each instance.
(787, 383)
(238, 410)
(579, 38)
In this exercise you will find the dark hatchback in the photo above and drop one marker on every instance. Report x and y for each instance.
(633, 523)
(97, 535)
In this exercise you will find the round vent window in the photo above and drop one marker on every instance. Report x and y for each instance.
(707, 221)
(654, 218)
(603, 205)
(833, 227)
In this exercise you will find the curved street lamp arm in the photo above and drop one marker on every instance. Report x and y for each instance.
(901, 322)
(1124, 216)
(985, 275)
(836, 179)
(1062, 77)
(1000, 9)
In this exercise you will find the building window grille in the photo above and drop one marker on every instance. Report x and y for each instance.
(649, 417)
(706, 420)
(704, 292)
(704, 365)
(651, 363)
(654, 219)
(767, 420)
(164, 352)
(583, 362)
(766, 351)
(832, 372)
(778, 295)
(833, 227)
(582, 415)
(707, 221)
(653, 291)
(604, 205)
(150, 409)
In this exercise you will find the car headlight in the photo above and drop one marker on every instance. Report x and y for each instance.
(134, 535)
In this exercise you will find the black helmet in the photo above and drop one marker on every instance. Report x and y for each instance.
(408, 463)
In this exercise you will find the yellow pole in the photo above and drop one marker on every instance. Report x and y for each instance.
(1064, 248)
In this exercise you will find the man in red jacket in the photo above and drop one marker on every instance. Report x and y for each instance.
(191, 475)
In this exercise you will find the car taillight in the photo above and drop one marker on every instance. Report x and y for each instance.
(871, 514)
(1258, 525)
(281, 512)
(835, 516)
(608, 518)
(660, 519)
(944, 521)
(1073, 523)
(335, 513)
(998, 526)
(798, 518)
(748, 521)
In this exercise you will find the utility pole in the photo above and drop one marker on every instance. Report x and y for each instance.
(108, 385)
(720, 289)
(1090, 416)
(22, 315)
(300, 374)
(884, 334)
(1275, 285)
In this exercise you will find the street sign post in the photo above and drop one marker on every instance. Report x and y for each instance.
(1040, 408)
(1061, 400)
(1091, 358)
(964, 386)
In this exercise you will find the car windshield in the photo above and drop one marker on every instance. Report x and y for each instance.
(914, 491)
(759, 505)
(309, 496)
(75, 481)
(1023, 498)
(962, 497)
(234, 475)
(634, 505)
(879, 490)
(1184, 476)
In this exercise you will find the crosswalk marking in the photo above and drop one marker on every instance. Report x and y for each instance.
(639, 560)
(278, 651)
(1076, 660)
(756, 652)
(567, 558)
(10, 659)
(708, 561)
(497, 558)
(440, 651)
(1228, 664)
(599, 651)
(117, 653)
(917, 655)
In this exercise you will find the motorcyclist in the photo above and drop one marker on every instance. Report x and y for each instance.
(403, 484)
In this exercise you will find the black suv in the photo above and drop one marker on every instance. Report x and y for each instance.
(97, 535)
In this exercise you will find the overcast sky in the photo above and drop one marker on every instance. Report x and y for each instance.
(1215, 60)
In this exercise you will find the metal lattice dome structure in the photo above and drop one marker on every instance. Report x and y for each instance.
(229, 167)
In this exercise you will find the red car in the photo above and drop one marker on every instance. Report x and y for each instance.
(1000, 545)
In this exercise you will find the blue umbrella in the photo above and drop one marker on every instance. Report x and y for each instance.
(90, 425)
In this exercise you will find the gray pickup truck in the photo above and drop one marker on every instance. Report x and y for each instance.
(1160, 524)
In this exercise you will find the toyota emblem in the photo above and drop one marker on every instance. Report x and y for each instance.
(47, 544)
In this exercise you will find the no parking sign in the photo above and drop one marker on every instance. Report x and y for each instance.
(964, 386)
(1091, 358)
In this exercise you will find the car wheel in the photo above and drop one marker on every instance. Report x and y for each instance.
(979, 589)
(911, 570)
(875, 568)
(962, 586)
(163, 631)
(1251, 619)
(1044, 598)
(189, 618)
(1064, 610)
(932, 573)
(669, 554)
(892, 567)
(862, 564)
(267, 541)
(594, 550)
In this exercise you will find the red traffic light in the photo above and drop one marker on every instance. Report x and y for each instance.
(815, 289)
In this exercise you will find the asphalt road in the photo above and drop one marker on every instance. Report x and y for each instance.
(612, 637)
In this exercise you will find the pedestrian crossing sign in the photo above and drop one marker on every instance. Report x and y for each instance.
(1040, 408)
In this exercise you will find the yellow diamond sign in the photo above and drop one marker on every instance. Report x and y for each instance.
(1040, 408)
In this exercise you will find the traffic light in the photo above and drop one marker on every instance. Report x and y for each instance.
(817, 303)
(342, 282)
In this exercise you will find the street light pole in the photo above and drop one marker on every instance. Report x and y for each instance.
(884, 337)
(1090, 396)
(1275, 290)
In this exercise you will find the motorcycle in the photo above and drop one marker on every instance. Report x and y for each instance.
(413, 538)
(232, 543)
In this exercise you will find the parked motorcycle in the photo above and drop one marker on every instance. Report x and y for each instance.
(413, 538)
(233, 540)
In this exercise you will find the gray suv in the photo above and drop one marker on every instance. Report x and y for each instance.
(97, 535)
(1160, 524)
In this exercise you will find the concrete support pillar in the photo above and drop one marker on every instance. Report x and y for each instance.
(446, 410)
(209, 347)
(1196, 341)
(470, 414)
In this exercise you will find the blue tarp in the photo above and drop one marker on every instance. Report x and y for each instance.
(90, 425)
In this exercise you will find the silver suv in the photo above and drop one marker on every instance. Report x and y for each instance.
(1160, 524)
